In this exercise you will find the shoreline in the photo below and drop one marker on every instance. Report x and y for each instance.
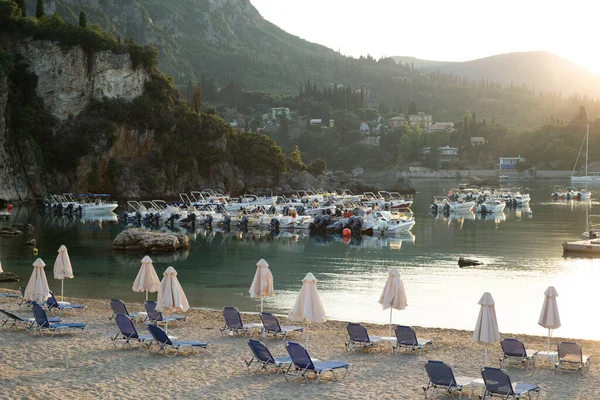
(85, 365)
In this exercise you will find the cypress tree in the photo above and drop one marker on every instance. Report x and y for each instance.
(82, 19)
(22, 6)
(39, 9)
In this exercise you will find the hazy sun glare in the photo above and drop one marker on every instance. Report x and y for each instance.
(442, 30)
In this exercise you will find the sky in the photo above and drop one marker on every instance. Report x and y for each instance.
(444, 30)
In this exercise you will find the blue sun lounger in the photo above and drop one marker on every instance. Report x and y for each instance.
(127, 333)
(271, 325)
(302, 364)
(359, 337)
(28, 322)
(53, 304)
(262, 356)
(497, 383)
(441, 377)
(407, 337)
(119, 307)
(43, 323)
(164, 343)
(233, 321)
(7, 296)
(26, 302)
(156, 316)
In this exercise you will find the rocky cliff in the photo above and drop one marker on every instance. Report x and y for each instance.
(69, 79)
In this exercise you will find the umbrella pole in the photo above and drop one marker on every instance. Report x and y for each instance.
(390, 327)
(62, 285)
(261, 303)
(307, 325)
(146, 295)
(485, 360)
(549, 336)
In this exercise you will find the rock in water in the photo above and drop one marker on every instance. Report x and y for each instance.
(142, 240)
(6, 231)
(467, 262)
(24, 227)
(9, 277)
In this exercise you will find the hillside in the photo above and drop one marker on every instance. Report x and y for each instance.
(419, 63)
(236, 51)
(542, 70)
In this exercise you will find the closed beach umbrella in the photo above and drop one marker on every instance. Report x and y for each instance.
(549, 317)
(37, 287)
(146, 279)
(170, 294)
(393, 295)
(1, 270)
(262, 284)
(308, 307)
(486, 331)
(62, 268)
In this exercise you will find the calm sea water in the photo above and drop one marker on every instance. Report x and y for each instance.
(522, 255)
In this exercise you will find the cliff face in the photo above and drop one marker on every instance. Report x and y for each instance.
(69, 79)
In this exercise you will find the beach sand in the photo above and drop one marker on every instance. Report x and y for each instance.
(86, 365)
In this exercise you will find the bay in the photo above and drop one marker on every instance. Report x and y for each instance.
(522, 256)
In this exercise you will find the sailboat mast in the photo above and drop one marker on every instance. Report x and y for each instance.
(587, 147)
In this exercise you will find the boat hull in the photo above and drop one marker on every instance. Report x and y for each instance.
(588, 178)
(582, 246)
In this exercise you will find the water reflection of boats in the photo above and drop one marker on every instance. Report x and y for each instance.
(393, 243)
(71, 221)
(456, 216)
(134, 259)
(496, 217)
(98, 218)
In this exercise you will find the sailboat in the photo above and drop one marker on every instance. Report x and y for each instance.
(588, 177)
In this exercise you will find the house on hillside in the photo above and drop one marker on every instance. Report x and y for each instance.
(364, 128)
(233, 124)
(441, 126)
(277, 111)
(448, 153)
(422, 119)
(477, 141)
(396, 121)
(509, 162)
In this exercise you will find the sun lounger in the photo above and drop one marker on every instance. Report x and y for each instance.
(127, 333)
(164, 343)
(441, 377)
(23, 301)
(7, 296)
(233, 321)
(497, 383)
(571, 357)
(156, 316)
(359, 337)
(7, 317)
(43, 324)
(302, 364)
(61, 306)
(262, 356)
(406, 337)
(513, 349)
(119, 307)
(271, 325)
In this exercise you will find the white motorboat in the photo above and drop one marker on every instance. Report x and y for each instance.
(582, 246)
(443, 204)
(494, 206)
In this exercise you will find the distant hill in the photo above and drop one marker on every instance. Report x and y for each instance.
(419, 63)
(541, 69)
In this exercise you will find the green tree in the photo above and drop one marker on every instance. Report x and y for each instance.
(197, 98)
(23, 7)
(581, 114)
(295, 160)
(39, 9)
(318, 167)
(412, 108)
(82, 19)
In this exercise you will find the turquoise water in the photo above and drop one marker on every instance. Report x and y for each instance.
(522, 255)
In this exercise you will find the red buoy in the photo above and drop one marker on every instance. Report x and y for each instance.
(346, 232)
(9, 207)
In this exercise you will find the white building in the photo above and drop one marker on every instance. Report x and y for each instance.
(420, 118)
(441, 126)
(448, 153)
(277, 111)
(364, 128)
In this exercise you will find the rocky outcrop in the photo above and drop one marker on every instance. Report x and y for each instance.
(9, 277)
(145, 241)
(6, 231)
(69, 79)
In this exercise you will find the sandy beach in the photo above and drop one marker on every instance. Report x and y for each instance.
(86, 365)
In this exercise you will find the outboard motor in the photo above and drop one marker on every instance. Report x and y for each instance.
(338, 213)
(447, 208)
(226, 222)
(483, 209)
(274, 225)
(208, 221)
(300, 210)
(272, 210)
(123, 218)
(244, 223)
(433, 208)
(336, 227)
(192, 218)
